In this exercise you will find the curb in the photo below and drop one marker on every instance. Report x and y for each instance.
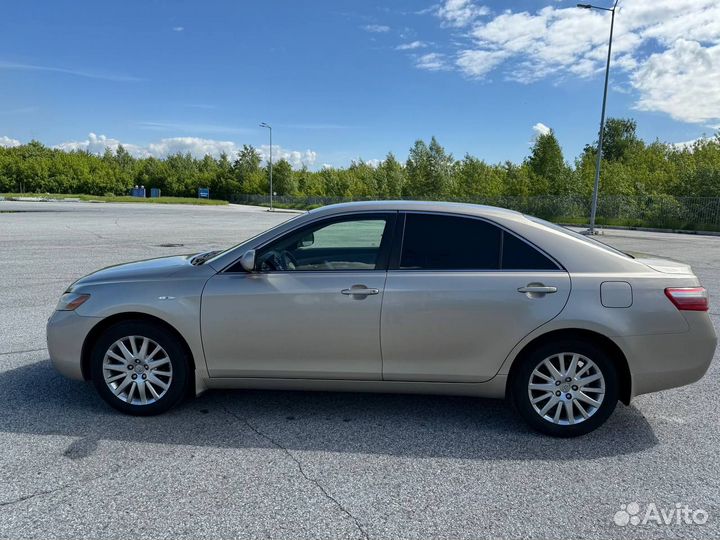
(644, 229)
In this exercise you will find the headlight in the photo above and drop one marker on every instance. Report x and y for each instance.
(71, 301)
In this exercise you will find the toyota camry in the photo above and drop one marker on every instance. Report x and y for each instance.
(418, 297)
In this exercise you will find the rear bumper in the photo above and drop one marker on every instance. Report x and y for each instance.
(662, 361)
(66, 333)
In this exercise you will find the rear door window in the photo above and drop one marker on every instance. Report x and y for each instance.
(441, 242)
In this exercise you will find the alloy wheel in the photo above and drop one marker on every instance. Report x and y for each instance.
(566, 388)
(137, 370)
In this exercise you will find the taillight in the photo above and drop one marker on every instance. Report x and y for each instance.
(688, 298)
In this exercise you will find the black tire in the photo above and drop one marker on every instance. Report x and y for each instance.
(161, 336)
(519, 385)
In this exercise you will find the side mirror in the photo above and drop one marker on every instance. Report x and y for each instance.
(247, 261)
(308, 240)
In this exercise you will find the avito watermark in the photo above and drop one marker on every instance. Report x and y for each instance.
(680, 514)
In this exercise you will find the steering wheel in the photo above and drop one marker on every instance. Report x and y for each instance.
(288, 260)
(279, 261)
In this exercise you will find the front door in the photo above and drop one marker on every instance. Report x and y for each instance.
(310, 310)
(452, 309)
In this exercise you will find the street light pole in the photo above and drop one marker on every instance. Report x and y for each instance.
(263, 124)
(593, 208)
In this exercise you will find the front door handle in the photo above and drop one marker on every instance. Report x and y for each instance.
(359, 290)
(537, 290)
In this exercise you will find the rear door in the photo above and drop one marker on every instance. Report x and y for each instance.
(461, 292)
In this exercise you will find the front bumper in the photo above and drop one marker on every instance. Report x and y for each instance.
(66, 333)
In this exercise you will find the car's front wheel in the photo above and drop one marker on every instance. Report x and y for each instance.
(139, 368)
(566, 388)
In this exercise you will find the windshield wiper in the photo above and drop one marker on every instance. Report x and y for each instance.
(197, 260)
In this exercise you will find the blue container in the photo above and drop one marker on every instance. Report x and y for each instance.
(154, 192)
(203, 193)
(138, 192)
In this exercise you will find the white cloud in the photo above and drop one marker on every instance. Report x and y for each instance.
(665, 50)
(459, 13)
(295, 157)
(683, 81)
(7, 142)
(411, 46)
(20, 110)
(688, 145)
(432, 62)
(178, 28)
(476, 64)
(79, 73)
(206, 106)
(96, 144)
(190, 128)
(540, 129)
(376, 28)
(195, 146)
(546, 42)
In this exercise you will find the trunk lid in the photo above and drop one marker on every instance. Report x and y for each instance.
(666, 266)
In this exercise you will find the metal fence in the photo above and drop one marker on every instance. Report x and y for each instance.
(661, 211)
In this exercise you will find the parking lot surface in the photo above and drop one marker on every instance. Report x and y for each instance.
(260, 464)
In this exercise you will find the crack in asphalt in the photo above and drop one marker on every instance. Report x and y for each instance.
(96, 235)
(59, 488)
(25, 351)
(298, 463)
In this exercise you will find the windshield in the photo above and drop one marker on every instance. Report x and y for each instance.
(217, 254)
(570, 232)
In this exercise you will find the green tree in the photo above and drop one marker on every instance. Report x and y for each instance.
(619, 137)
(518, 179)
(362, 180)
(476, 179)
(390, 178)
(335, 184)
(247, 163)
(283, 178)
(546, 161)
(429, 171)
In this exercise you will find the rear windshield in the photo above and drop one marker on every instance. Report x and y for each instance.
(588, 239)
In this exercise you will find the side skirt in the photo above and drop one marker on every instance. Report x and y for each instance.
(494, 388)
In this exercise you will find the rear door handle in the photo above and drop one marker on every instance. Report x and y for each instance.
(537, 289)
(359, 290)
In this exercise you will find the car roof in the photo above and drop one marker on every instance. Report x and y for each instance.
(420, 206)
(573, 253)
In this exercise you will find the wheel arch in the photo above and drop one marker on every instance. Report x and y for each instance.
(107, 322)
(605, 343)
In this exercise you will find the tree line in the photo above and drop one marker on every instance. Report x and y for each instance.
(630, 167)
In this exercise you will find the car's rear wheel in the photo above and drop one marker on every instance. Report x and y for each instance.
(566, 388)
(139, 368)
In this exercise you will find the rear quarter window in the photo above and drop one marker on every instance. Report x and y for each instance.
(519, 255)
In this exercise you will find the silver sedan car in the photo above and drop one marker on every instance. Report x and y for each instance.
(418, 297)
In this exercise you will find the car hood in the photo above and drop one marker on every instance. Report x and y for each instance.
(150, 269)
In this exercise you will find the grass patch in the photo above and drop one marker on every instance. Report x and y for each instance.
(287, 206)
(116, 198)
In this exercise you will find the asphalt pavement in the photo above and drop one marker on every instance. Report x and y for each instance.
(261, 464)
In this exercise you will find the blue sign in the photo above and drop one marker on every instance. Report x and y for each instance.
(203, 193)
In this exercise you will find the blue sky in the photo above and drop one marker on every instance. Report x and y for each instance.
(341, 80)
